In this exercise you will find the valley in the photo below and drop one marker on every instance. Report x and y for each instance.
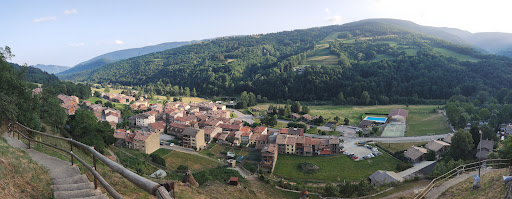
(370, 108)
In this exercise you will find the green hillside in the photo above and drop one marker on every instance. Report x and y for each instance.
(394, 62)
(112, 57)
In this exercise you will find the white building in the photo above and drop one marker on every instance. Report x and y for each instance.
(144, 119)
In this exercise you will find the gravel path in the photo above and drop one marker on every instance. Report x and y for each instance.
(437, 191)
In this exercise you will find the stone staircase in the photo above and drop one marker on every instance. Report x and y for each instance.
(68, 182)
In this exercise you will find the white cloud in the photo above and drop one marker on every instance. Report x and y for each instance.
(327, 10)
(334, 19)
(69, 12)
(118, 42)
(77, 44)
(43, 19)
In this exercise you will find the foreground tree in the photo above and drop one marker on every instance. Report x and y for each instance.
(462, 146)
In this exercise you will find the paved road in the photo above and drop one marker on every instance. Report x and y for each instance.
(243, 117)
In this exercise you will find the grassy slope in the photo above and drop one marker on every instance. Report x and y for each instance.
(333, 168)
(394, 147)
(322, 56)
(254, 189)
(492, 186)
(195, 163)
(20, 176)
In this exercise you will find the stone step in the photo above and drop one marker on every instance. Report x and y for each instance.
(103, 196)
(72, 187)
(72, 180)
(67, 172)
(76, 194)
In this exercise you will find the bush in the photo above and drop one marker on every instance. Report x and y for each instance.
(221, 174)
(182, 168)
(401, 166)
(251, 167)
(308, 168)
(430, 156)
(157, 159)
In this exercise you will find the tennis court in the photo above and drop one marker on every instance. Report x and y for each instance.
(394, 130)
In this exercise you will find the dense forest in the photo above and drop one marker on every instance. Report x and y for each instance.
(376, 63)
(17, 102)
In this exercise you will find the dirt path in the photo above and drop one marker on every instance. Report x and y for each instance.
(437, 191)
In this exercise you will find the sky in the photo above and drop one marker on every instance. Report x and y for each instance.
(68, 32)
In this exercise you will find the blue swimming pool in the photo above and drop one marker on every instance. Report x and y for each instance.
(376, 119)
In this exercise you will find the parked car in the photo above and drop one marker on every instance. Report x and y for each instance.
(354, 157)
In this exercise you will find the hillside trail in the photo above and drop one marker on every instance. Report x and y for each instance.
(437, 191)
(68, 182)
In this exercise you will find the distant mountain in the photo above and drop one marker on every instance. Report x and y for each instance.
(51, 68)
(36, 75)
(493, 42)
(393, 61)
(118, 55)
(413, 27)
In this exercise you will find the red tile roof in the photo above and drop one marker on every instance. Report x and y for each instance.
(158, 125)
(260, 129)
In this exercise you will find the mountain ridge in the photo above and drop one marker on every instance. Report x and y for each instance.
(114, 56)
(52, 69)
(392, 63)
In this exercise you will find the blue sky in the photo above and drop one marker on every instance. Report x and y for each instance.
(69, 32)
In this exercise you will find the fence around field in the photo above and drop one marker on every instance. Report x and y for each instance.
(496, 163)
(30, 135)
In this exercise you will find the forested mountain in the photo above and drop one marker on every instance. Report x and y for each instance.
(392, 62)
(51, 68)
(493, 42)
(116, 56)
(17, 103)
(35, 75)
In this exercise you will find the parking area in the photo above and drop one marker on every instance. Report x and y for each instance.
(165, 137)
(348, 131)
(359, 151)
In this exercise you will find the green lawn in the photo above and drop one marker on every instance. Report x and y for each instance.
(212, 148)
(422, 121)
(194, 162)
(394, 147)
(333, 168)
(316, 131)
(117, 106)
(162, 152)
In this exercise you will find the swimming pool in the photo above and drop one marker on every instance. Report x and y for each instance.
(376, 119)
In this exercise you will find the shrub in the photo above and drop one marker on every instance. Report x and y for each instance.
(157, 159)
(251, 167)
(182, 168)
(401, 166)
(308, 168)
(221, 174)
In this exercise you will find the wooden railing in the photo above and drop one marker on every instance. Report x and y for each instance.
(462, 169)
(149, 186)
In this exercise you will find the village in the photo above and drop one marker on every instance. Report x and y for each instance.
(198, 126)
